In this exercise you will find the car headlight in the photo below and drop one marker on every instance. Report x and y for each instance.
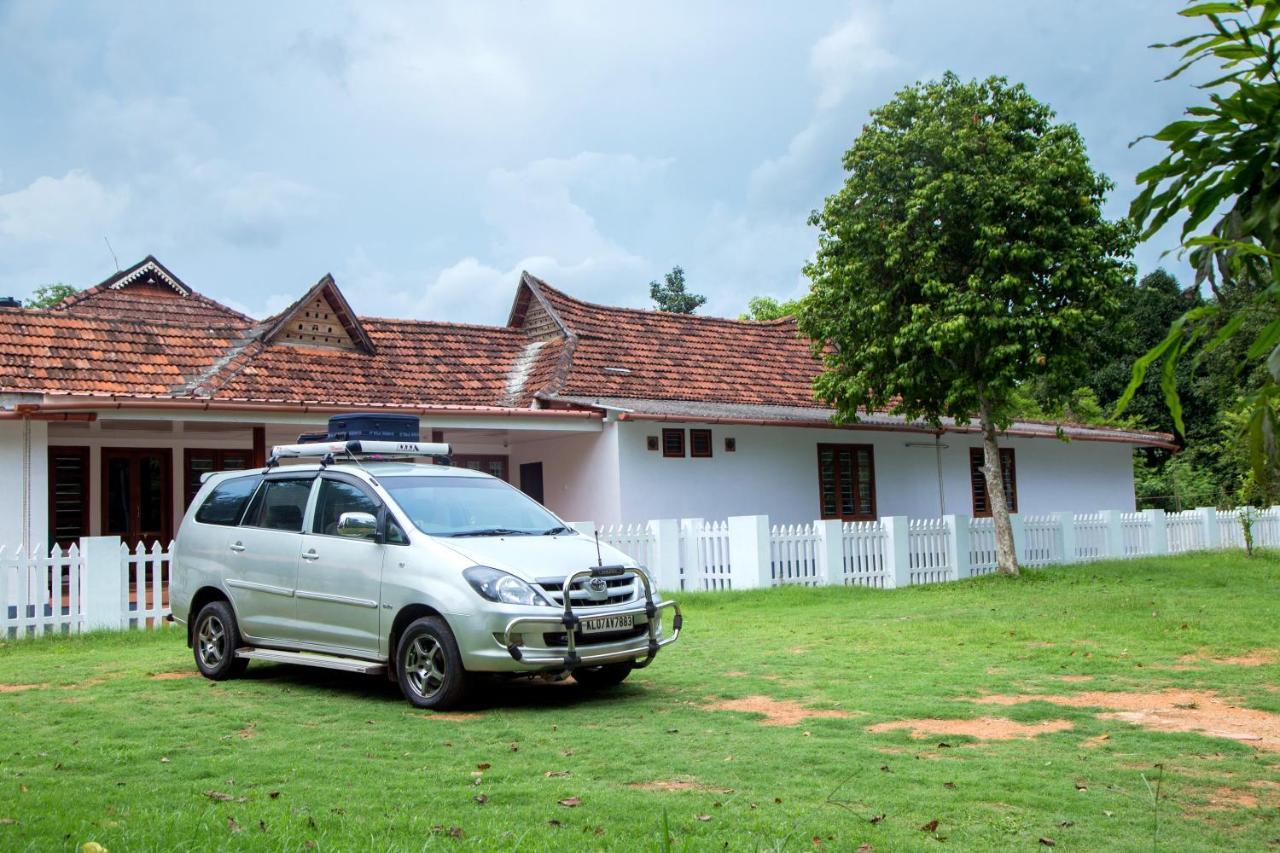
(496, 585)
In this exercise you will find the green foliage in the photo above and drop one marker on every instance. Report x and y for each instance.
(1175, 485)
(768, 308)
(49, 295)
(1222, 174)
(965, 255)
(671, 295)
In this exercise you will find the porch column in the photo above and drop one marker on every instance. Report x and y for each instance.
(106, 602)
(664, 565)
(958, 542)
(259, 447)
(24, 469)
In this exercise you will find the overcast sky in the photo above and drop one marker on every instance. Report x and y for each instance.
(425, 154)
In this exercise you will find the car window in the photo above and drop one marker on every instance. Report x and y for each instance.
(469, 506)
(279, 505)
(337, 497)
(225, 503)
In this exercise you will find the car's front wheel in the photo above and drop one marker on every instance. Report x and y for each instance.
(599, 677)
(429, 667)
(215, 638)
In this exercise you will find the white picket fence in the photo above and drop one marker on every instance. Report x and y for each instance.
(100, 583)
(747, 552)
(103, 584)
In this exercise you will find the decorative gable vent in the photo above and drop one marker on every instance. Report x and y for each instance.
(316, 324)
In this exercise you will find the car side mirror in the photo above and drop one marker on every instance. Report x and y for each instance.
(358, 525)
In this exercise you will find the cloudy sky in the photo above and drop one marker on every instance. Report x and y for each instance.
(425, 154)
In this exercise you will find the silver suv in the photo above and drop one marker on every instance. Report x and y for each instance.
(426, 573)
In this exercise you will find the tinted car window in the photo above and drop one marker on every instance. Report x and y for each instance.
(226, 502)
(280, 505)
(336, 498)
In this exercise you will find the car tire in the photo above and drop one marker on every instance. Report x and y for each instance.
(602, 677)
(429, 667)
(214, 640)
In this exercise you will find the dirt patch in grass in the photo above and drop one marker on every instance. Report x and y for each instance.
(19, 688)
(982, 728)
(681, 784)
(171, 676)
(452, 716)
(1172, 710)
(777, 712)
(1256, 657)
(1074, 679)
(736, 673)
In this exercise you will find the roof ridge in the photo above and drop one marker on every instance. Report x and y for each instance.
(410, 321)
(656, 312)
(55, 313)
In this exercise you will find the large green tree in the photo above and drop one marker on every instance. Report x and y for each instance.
(672, 296)
(768, 308)
(965, 256)
(49, 295)
(1221, 176)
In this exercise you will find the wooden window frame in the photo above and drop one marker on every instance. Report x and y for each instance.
(81, 451)
(191, 484)
(460, 460)
(667, 453)
(1008, 464)
(693, 447)
(871, 458)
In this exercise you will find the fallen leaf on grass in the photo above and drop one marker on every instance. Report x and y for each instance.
(262, 825)
(949, 785)
(481, 799)
(92, 847)
(23, 788)
(309, 844)
(232, 825)
(275, 795)
(1081, 785)
(219, 796)
(1048, 842)
(554, 824)
(552, 774)
(1067, 823)
(703, 817)
(570, 802)
(875, 818)
(164, 760)
(931, 826)
(777, 800)
(866, 848)
(8, 821)
(485, 766)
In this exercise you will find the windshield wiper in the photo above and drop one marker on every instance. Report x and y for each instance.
(555, 530)
(491, 531)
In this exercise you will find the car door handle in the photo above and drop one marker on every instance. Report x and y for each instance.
(237, 547)
(310, 555)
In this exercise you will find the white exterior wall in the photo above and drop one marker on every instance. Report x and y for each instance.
(774, 472)
(580, 473)
(15, 454)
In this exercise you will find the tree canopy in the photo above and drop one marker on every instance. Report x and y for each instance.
(671, 294)
(965, 255)
(49, 295)
(768, 308)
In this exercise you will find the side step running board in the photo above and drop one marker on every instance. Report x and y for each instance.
(368, 667)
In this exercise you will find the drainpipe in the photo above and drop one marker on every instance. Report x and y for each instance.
(938, 447)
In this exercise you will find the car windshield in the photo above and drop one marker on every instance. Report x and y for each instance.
(470, 506)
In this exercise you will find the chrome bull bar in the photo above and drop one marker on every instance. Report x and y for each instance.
(571, 620)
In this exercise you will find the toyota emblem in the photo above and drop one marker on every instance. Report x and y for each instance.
(597, 589)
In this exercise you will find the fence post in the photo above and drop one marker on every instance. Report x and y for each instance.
(1019, 535)
(105, 592)
(690, 554)
(750, 560)
(1113, 542)
(1212, 532)
(958, 544)
(1159, 531)
(665, 566)
(1067, 523)
(831, 548)
(897, 550)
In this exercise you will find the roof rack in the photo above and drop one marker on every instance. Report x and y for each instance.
(439, 452)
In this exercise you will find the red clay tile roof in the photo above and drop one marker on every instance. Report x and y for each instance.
(656, 355)
(53, 351)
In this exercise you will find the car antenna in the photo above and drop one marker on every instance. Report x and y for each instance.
(599, 559)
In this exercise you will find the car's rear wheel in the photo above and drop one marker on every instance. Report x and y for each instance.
(214, 641)
(600, 677)
(429, 667)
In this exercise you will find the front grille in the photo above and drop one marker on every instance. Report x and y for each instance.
(560, 639)
(620, 591)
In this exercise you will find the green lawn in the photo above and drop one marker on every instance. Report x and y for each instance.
(103, 750)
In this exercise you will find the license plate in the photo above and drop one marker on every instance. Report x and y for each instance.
(605, 624)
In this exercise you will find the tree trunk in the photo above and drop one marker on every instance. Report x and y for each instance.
(1006, 550)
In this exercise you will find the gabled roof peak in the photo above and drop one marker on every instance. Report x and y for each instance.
(322, 317)
(149, 291)
(148, 269)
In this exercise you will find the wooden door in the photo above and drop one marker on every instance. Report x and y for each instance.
(137, 494)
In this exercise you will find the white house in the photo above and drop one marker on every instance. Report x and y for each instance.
(113, 403)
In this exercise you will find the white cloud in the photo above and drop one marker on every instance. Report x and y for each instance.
(849, 56)
(256, 209)
(72, 208)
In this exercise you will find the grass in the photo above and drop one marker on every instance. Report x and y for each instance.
(291, 758)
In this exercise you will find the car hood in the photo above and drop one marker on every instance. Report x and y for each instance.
(534, 557)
